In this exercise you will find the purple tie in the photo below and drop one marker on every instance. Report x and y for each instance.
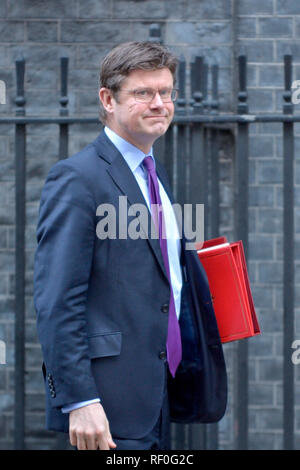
(173, 339)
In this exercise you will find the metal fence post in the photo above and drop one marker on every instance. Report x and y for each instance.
(215, 167)
(213, 429)
(181, 136)
(198, 191)
(288, 261)
(242, 164)
(64, 128)
(198, 164)
(20, 198)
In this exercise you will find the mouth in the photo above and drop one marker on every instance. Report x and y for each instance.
(155, 117)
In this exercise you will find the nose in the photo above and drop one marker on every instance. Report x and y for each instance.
(157, 102)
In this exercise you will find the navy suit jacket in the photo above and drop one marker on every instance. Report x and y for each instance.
(101, 306)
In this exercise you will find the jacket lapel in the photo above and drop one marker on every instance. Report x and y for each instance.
(124, 179)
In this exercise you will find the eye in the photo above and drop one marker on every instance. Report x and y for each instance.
(164, 92)
(144, 93)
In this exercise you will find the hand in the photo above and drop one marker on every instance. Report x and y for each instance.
(89, 428)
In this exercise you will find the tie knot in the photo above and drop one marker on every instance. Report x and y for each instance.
(149, 163)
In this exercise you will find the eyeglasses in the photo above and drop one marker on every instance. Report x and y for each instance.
(146, 95)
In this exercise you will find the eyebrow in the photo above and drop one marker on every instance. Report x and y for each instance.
(151, 88)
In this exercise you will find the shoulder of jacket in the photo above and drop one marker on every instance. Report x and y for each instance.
(86, 163)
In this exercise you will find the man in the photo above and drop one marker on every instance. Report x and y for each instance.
(108, 306)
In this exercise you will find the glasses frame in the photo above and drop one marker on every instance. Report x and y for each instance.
(174, 92)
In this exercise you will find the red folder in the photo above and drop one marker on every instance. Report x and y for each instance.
(226, 270)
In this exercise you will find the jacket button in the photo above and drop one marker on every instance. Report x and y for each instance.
(165, 308)
(162, 355)
(53, 394)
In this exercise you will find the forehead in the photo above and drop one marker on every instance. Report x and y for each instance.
(149, 78)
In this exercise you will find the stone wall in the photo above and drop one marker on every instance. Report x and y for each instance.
(85, 31)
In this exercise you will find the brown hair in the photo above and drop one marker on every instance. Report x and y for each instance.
(129, 56)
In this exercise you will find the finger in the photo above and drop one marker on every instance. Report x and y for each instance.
(103, 444)
(110, 441)
(91, 442)
(73, 440)
(112, 444)
(81, 444)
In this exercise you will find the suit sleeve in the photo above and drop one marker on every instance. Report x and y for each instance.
(66, 236)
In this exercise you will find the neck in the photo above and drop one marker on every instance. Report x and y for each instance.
(144, 146)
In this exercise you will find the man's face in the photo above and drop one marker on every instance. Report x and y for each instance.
(140, 123)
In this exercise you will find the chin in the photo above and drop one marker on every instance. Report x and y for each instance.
(159, 129)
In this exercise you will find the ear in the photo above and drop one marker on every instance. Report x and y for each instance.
(106, 98)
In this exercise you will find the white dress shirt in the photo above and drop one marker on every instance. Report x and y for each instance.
(134, 158)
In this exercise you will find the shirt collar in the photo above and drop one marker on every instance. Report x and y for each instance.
(133, 156)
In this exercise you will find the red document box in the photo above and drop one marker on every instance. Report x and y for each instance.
(226, 269)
